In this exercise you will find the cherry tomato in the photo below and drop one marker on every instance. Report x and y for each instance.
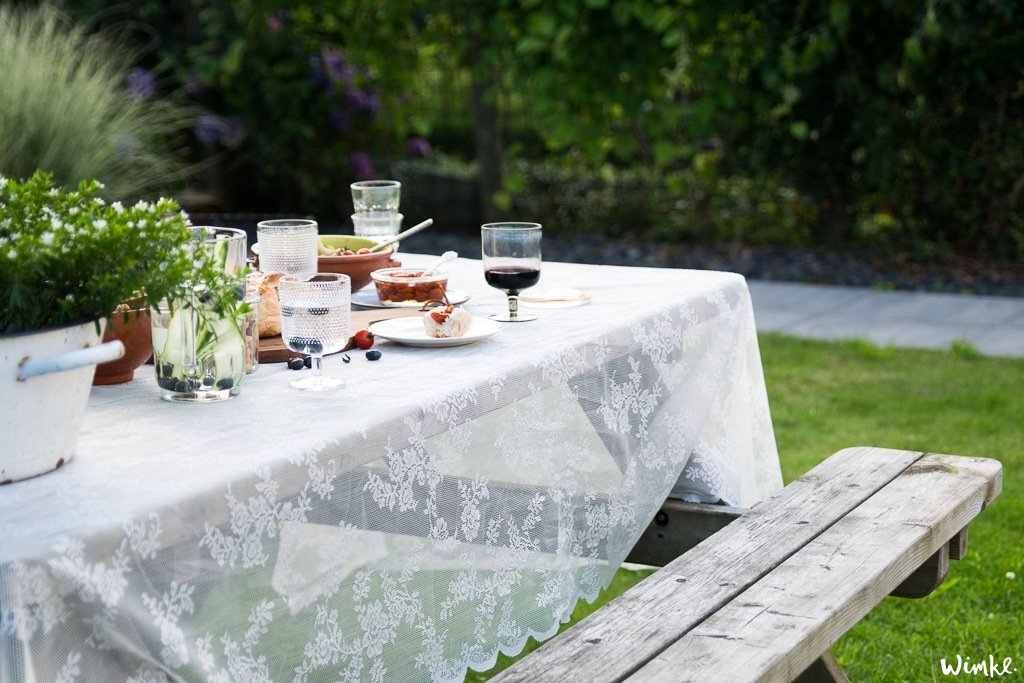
(363, 339)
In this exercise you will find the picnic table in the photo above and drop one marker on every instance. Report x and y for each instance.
(444, 506)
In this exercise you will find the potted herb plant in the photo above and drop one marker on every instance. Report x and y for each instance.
(67, 259)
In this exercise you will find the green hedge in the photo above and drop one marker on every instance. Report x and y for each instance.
(902, 120)
(898, 124)
(570, 198)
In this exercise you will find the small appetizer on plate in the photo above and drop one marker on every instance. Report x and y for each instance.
(446, 321)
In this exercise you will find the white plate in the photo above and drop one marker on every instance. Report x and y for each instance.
(554, 298)
(409, 331)
(367, 298)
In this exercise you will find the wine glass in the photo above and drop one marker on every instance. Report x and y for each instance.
(511, 255)
(316, 320)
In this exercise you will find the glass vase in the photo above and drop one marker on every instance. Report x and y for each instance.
(199, 354)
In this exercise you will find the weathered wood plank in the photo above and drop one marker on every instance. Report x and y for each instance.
(677, 527)
(779, 626)
(646, 619)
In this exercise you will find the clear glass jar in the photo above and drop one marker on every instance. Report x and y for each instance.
(251, 328)
(198, 357)
(199, 354)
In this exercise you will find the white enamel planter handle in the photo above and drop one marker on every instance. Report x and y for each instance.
(45, 381)
(79, 358)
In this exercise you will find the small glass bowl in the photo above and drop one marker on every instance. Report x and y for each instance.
(400, 285)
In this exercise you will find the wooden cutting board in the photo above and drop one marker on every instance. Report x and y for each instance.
(273, 349)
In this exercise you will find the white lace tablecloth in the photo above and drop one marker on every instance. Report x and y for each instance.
(441, 508)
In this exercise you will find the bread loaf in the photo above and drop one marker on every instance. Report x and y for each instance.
(270, 303)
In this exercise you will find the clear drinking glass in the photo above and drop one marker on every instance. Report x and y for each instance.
(511, 259)
(380, 196)
(251, 327)
(377, 225)
(199, 355)
(316, 320)
(288, 245)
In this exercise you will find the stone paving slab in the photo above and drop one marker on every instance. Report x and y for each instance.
(994, 325)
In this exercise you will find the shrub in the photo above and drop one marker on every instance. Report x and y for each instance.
(68, 105)
(68, 256)
(291, 110)
(904, 121)
(571, 199)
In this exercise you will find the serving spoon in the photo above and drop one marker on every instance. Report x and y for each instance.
(380, 246)
(445, 258)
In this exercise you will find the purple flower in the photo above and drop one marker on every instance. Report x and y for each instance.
(355, 98)
(193, 85)
(362, 101)
(232, 132)
(362, 165)
(212, 129)
(274, 24)
(373, 104)
(141, 84)
(418, 146)
(208, 129)
(334, 64)
(340, 118)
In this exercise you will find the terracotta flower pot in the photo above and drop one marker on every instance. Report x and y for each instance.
(135, 332)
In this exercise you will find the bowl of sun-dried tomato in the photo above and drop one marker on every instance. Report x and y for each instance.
(402, 285)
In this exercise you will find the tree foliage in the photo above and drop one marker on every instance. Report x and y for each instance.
(899, 121)
(905, 120)
(296, 99)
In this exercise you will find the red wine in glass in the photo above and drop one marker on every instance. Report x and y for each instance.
(512, 278)
(511, 259)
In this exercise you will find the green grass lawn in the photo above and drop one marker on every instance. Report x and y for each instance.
(826, 396)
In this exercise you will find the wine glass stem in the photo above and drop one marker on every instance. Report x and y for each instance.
(513, 305)
(318, 370)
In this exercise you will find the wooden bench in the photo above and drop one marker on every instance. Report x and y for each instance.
(768, 590)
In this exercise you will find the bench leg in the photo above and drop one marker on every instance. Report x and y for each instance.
(825, 669)
(931, 574)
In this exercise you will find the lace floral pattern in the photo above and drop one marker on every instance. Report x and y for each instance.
(442, 508)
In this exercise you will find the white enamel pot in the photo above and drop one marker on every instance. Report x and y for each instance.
(45, 378)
